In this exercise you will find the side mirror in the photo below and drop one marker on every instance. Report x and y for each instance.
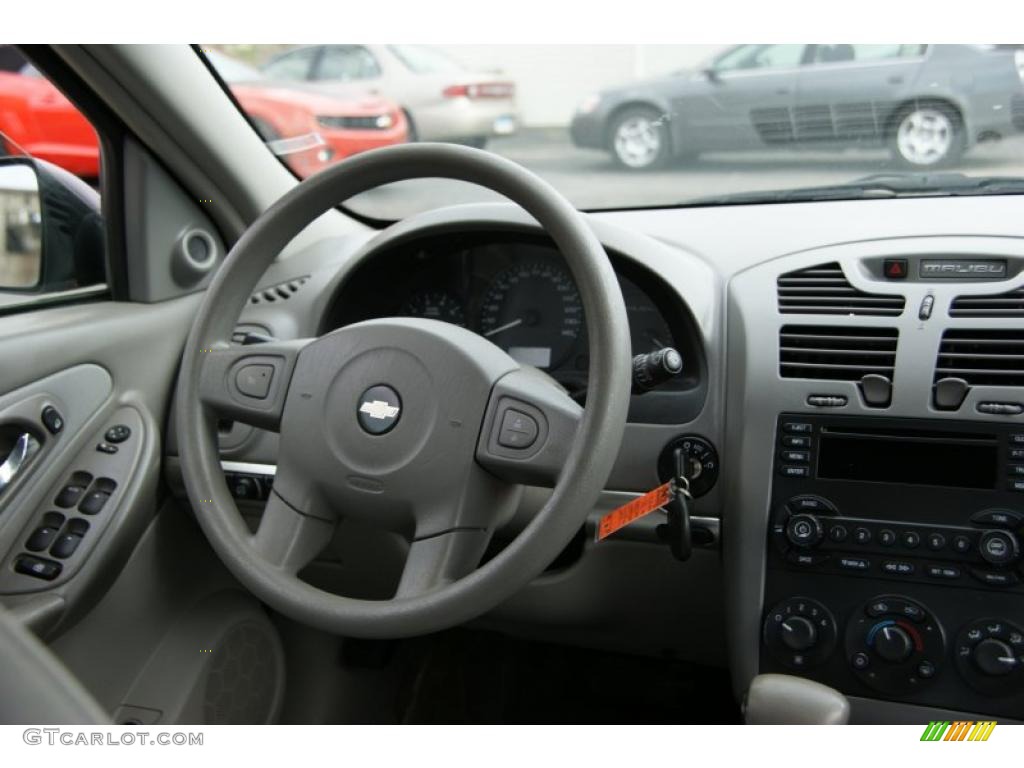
(51, 226)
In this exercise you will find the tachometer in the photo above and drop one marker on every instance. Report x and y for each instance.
(533, 311)
(436, 305)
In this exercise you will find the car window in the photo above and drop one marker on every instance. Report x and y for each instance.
(761, 57)
(831, 54)
(632, 126)
(295, 65)
(348, 62)
(48, 243)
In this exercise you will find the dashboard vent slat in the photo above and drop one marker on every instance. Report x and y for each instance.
(982, 357)
(836, 352)
(824, 290)
(998, 305)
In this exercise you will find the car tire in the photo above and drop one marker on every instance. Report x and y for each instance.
(926, 135)
(638, 139)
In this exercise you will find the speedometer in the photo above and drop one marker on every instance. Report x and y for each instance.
(533, 311)
(436, 305)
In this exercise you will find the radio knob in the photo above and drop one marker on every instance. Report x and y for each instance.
(798, 633)
(998, 547)
(804, 530)
(994, 657)
(893, 644)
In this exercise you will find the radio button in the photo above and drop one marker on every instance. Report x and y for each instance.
(1017, 439)
(962, 545)
(1017, 454)
(1017, 485)
(898, 567)
(797, 457)
(936, 541)
(886, 537)
(943, 571)
(854, 563)
(838, 533)
(787, 470)
(809, 504)
(803, 428)
(1002, 518)
(998, 547)
(910, 539)
(995, 578)
(807, 558)
(1016, 470)
(862, 535)
(804, 530)
(790, 441)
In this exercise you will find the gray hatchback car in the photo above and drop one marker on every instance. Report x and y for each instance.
(926, 103)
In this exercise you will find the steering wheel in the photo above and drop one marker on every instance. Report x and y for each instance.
(416, 425)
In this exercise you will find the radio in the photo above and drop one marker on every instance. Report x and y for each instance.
(902, 499)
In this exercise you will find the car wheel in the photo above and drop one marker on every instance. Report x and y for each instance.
(639, 139)
(927, 136)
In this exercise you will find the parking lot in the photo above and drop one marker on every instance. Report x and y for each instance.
(592, 181)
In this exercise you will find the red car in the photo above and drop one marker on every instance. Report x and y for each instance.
(37, 117)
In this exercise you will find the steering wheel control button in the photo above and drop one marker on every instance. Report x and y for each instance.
(800, 633)
(118, 433)
(93, 503)
(518, 430)
(52, 420)
(253, 381)
(37, 567)
(379, 409)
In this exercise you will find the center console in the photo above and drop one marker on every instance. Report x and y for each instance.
(893, 559)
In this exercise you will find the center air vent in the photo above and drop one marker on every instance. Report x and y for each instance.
(982, 357)
(824, 290)
(1000, 305)
(841, 353)
(280, 292)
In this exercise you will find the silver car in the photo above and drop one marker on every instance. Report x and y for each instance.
(927, 103)
(442, 100)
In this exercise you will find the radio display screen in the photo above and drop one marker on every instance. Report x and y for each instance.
(883, 459)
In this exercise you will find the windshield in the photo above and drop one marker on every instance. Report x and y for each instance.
(633, 126)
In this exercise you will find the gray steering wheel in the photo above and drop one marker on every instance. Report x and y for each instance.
(416, 425)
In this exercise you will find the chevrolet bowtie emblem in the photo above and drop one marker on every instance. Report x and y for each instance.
(379, 409)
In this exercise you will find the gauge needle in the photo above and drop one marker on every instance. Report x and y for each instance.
(505, 327)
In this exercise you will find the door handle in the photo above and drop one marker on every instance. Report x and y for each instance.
(25, 447)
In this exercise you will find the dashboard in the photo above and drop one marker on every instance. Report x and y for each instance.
(860, 485)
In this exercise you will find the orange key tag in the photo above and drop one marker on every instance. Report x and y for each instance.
(634, 510)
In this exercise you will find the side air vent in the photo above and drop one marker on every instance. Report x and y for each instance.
(280, 292)
(1000, 305)
(824, 290)
(993, 358)
(840, 353)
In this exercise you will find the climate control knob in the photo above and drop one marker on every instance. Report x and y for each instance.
(893, 644)
(994, 657)
(998, 547)
(804, 530)
(798, 633)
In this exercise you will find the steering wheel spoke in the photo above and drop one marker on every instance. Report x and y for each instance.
(249, 383)
(289, 539)
(529, 428)
(442, 559)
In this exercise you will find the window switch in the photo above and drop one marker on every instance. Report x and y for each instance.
(41, 538)
(65, 546)
(37, 567)
(93, 503)
(69, 496)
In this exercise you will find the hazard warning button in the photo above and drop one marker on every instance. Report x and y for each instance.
(895, 269)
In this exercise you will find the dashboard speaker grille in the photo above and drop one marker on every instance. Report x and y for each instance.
(836, 352)
(999, 305)
(824, 290)
(992, 358)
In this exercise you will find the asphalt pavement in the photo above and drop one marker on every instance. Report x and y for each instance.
(591, 179)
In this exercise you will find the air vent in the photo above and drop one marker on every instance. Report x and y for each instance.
(841, 353)
(1000, 305)
(824, 290)
(280, 292)
(982, 357)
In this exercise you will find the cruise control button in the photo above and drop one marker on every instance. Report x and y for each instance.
(254, 380)
(93, 503)
(38, 567)
(518, 430)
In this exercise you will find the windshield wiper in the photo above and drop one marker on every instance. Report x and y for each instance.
(880, 186)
